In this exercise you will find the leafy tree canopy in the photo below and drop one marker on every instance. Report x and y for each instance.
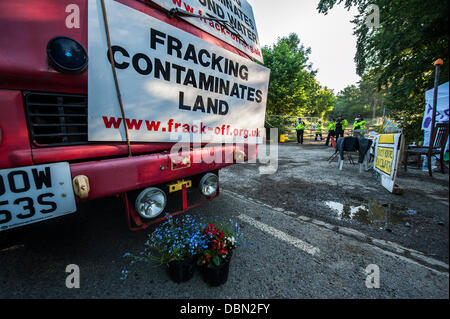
(293, 88)
(397, 57)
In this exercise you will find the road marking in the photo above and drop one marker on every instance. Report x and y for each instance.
(300, 244)
(376, 244)
(386, 246)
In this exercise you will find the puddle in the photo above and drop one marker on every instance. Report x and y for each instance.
(370, 213)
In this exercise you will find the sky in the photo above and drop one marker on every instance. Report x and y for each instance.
(330, 36)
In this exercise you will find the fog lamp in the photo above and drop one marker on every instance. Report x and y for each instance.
(150, 202)
(239, 156)
(209, 184)
(67, 55)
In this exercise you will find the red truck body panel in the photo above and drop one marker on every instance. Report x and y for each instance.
(145, 170)
(24, 66)
(14, 140)
(27, 26)
(30, 24)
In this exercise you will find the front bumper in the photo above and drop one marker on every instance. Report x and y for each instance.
(115, 176)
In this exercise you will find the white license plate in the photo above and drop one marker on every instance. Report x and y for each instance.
(35, 193)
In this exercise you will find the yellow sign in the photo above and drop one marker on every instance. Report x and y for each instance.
(385, 158)
(178, 185)
(386, 139)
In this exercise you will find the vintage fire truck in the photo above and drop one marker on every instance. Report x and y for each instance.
(68, 133)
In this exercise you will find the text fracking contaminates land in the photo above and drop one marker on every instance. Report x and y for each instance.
(145, 65)
(167, 74)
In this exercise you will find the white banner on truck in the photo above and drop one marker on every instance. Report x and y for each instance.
(174, 86)
(237, 13)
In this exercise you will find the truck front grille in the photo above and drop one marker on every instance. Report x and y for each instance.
(56, 119)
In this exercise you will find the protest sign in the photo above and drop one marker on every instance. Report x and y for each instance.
(174, 85)
(235, 22)
(387, 156)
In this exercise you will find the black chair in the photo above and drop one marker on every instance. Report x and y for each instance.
(438, 139)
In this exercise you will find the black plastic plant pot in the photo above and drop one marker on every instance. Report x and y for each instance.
(217, 275)
(181, 271)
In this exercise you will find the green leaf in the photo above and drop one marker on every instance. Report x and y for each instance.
(216, 260)
(293, 88)
(396, 59)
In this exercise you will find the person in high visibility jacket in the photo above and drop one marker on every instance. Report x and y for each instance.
(359, 126)
(300, 128)
(340, 127)
(318, 130)
(331, 131)
(344, 124)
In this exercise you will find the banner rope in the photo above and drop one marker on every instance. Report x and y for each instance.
(116, 82)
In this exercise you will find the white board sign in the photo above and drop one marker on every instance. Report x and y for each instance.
(387, 156)
(238, 14)
(442, 111)
(173, 85)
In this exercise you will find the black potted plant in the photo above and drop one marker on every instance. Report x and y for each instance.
(177, 243)
(214, 263)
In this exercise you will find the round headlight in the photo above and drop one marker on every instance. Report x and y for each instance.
(67, 55)
(209, 184)
(150, 202)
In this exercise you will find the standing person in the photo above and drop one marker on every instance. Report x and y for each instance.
(359, 126)
(300, 130)
(318, 130)
(331, 131)
(344, 126)
(339, 127)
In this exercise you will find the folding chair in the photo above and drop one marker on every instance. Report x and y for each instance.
(350, 144)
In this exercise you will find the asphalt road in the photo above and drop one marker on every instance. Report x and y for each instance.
(306, 184)
(285, 255)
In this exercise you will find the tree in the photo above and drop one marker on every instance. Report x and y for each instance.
(349, 103)
(364, 100)
(398, 55)
(322, 102)
(293, 89)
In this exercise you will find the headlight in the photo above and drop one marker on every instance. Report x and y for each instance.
(67, 55)
(209, 184)
(150, 202)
